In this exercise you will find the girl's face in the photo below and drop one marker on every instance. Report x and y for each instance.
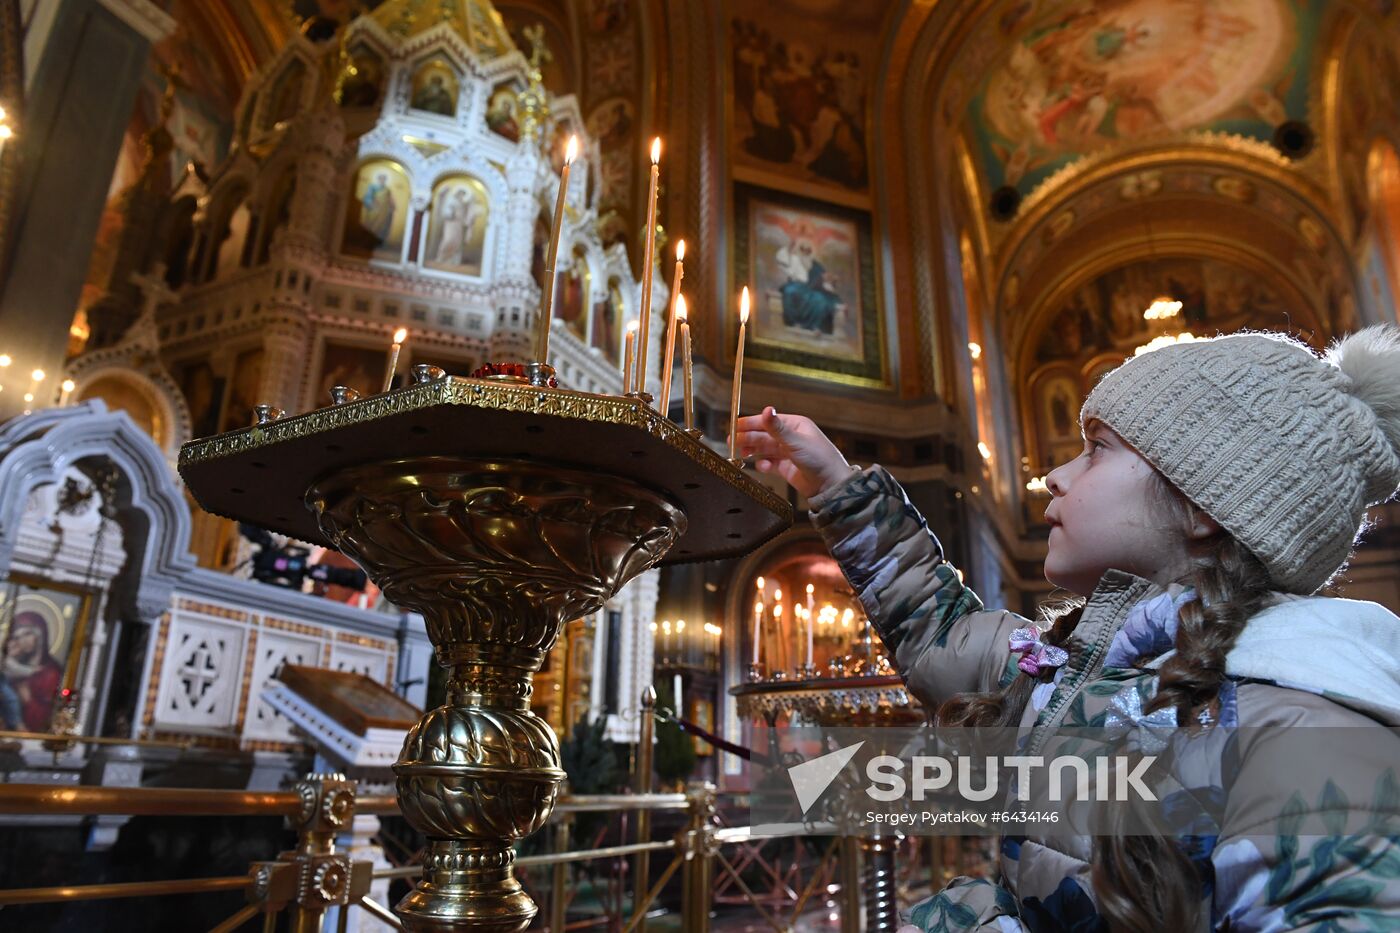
(1108, 513)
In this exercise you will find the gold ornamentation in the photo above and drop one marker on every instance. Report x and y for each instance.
(496, 556)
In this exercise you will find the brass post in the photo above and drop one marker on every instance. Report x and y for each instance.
(851, 901)
(881, 911)
(698, 843)
(312, 877)
(642, 873)
(558, 902)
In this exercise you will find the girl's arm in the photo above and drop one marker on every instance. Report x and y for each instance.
(942, 640)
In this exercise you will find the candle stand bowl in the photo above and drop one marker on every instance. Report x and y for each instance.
(499, 511)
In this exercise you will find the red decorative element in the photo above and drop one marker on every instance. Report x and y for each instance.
(518, 370)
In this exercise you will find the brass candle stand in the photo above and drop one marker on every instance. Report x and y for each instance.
(865, 696)
(499, 509)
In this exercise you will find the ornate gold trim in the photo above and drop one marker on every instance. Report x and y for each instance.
(478, 393)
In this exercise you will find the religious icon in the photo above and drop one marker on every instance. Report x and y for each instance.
(607, 318)
(457, 229)
(243, 391)
(502, 112)
(571, 295)
(808, 280)
(203, 393)
(41, 632)
(435, 89)
(359, 368)
(811, 269)
(376, 215)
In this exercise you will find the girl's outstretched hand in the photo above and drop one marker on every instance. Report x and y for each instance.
(794, 447)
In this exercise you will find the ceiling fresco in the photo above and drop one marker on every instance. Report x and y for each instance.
(1059, 81)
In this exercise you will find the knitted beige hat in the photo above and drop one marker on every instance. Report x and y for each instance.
(1285, 449)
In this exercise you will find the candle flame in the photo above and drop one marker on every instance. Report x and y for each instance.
(634, 325)
(69, 385)
(5, 359)
(571, 152)
(778, 594)
(401, 335)
(744, 306)
(680, 250)
(680, 308)
(38, 375)
(656, 150)
(760, 583)
(810, 588)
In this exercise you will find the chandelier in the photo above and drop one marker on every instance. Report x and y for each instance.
(1160, 313)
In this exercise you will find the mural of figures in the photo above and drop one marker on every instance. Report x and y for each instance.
(571, 295)
(1101, 323)
(204, 392)
(1086, 74)
(360, 368)
(806, 280)
(36, 652)
(457, 230)
(1106, 314)
(377, 213)
(435, 89)
(1057, 401)
(243, 390)
(607, 323)
(503, 112)
(799, 99)
(363, 88)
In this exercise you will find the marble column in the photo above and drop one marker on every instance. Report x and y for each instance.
(84, 85)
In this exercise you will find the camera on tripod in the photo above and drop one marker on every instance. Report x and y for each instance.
(289, 565)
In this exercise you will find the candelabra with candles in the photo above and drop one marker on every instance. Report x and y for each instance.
(497, 506)
(800, 638)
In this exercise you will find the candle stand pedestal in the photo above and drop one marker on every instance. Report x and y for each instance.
(499, 510)
(869, 698)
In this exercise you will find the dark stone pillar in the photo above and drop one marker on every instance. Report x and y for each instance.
(76, 114)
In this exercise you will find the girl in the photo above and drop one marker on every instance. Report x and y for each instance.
(1222, 483)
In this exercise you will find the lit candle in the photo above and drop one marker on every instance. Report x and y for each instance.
(666, 638)
(629, 357)
(669, 359)
(676, 689)
(68, 386)
(687, 380)
(648, 248)
(400, 336)
(738, 374)
(551, 256)
(680, 638)
(810, 598)
(757, 627)
(778, 625)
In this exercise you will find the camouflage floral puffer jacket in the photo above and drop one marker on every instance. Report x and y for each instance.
(1282, 859)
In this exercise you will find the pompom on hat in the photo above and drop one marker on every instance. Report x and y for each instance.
(1285, 449)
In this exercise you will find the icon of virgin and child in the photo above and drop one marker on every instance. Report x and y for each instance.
(31, 675)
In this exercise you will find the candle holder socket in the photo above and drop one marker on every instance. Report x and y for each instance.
(755, 672)
(426, 372)
(343, 395)
(644, 396)
(695, 433)
(540, 375)
(266, 414)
